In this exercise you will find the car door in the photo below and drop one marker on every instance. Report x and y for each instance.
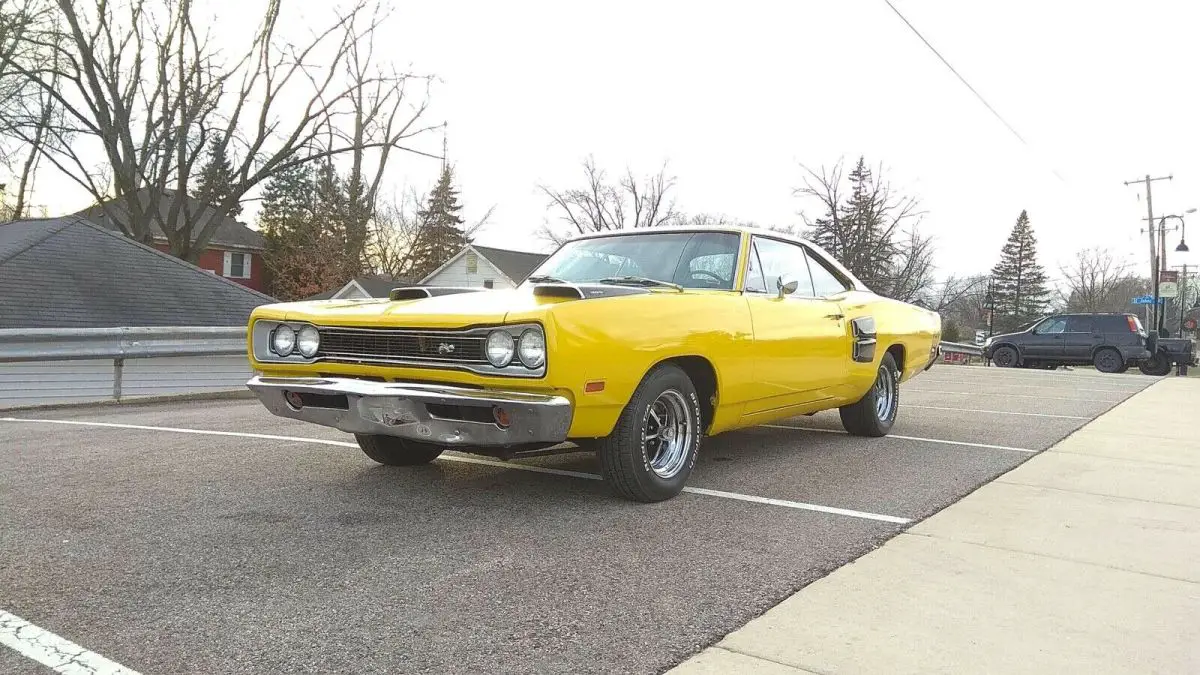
(1083, 332)
(1047, 340)
(801, 342)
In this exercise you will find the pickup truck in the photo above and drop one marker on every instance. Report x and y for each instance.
(1169, 352)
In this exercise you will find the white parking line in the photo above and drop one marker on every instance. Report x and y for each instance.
(52, 651)
(919, 390)
(998, 412)
(939, 441)
(802, 506)
(1012, 383)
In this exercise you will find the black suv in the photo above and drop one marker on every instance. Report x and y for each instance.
(1112, 342)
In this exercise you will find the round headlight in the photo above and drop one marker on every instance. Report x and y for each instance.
(532, 348)
(283, 341)
(500, 348)
(307, 341)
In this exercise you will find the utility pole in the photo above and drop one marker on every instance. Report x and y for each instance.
(1150, 228)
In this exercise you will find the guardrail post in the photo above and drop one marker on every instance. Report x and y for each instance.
(118, 368)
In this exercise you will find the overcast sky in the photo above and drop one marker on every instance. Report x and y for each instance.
(735, 95)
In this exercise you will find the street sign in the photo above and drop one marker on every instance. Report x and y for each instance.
(1168, 289)
(1168, 276)
(1145, 300)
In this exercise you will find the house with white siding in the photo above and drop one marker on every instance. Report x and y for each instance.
(485, 267)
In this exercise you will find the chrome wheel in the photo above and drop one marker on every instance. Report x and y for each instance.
(667, 433)
(885, 395)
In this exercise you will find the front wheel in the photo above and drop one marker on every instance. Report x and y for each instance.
(875, 413)
(1005, 357)
(394, 451)
(651, 451)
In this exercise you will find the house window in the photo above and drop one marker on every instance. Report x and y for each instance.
(488, 283)
(472, 262)
(237, 265)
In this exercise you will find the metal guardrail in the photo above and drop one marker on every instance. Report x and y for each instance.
(960, 348)
(73, 344)
(55, 349)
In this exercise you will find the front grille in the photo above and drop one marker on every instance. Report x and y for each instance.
(401, 345)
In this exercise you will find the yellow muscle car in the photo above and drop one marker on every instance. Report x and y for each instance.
(634, 344)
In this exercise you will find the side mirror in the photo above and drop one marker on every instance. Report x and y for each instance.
(786, 284)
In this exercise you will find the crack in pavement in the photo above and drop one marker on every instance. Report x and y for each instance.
(52, 651)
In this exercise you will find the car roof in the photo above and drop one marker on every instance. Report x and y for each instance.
(729, 229)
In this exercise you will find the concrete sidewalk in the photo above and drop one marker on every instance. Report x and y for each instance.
(1085, 559)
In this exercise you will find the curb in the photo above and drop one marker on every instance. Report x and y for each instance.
(231, 395)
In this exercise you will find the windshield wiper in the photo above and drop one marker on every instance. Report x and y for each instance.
(545, 279)
(638, 281)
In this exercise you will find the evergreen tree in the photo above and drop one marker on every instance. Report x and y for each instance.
(1020, 293)
(216, 176)
(441, 233)
(305, 240)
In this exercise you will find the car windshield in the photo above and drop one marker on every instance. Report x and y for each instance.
(686, 259)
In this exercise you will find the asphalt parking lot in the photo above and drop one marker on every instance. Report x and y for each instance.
(274, 546)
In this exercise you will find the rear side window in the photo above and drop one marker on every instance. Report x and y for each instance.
(1113, 324)
(1079, 324)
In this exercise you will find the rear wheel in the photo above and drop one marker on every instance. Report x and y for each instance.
(394, 451)
(1005, 357)
(651, 451)
(1108, 360)
(875, 413)
(1157, 365)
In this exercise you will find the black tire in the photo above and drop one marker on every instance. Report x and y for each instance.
(628, 459)
(1006, 357)
(1108, 360)
(394, 451)
(1156, 366)
(868, 417)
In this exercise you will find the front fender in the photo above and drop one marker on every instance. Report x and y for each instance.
(601, 349)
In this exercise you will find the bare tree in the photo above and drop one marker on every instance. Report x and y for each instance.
(143, 94)
(601, 205)
(1096, 282)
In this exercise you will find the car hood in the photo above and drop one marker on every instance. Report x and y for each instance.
(457, 310)
(1007, 336)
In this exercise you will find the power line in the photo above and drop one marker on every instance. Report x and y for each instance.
(964, 81)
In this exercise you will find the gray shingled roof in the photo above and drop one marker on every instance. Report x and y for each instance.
(230, 232)
(70, 273)
(515, 265)
(377, 286)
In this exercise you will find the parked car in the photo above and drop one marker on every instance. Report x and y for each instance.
(633, 344)
(1111, 342)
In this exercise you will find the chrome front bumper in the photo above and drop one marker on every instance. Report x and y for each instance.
(445, 415)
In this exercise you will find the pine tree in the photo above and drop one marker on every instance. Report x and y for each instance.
(216, 176)
(305, 240)
(1019, 292)
(441, 234)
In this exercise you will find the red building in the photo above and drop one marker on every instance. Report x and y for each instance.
(233, 252)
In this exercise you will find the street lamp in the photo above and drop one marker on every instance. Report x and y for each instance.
(1160, 313)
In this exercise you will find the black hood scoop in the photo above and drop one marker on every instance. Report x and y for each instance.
(419, 292)
(585, 291)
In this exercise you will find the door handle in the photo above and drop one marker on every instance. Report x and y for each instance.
(835, 317)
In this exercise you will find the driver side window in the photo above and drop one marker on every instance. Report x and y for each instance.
(779, 258)
(1051, 326)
